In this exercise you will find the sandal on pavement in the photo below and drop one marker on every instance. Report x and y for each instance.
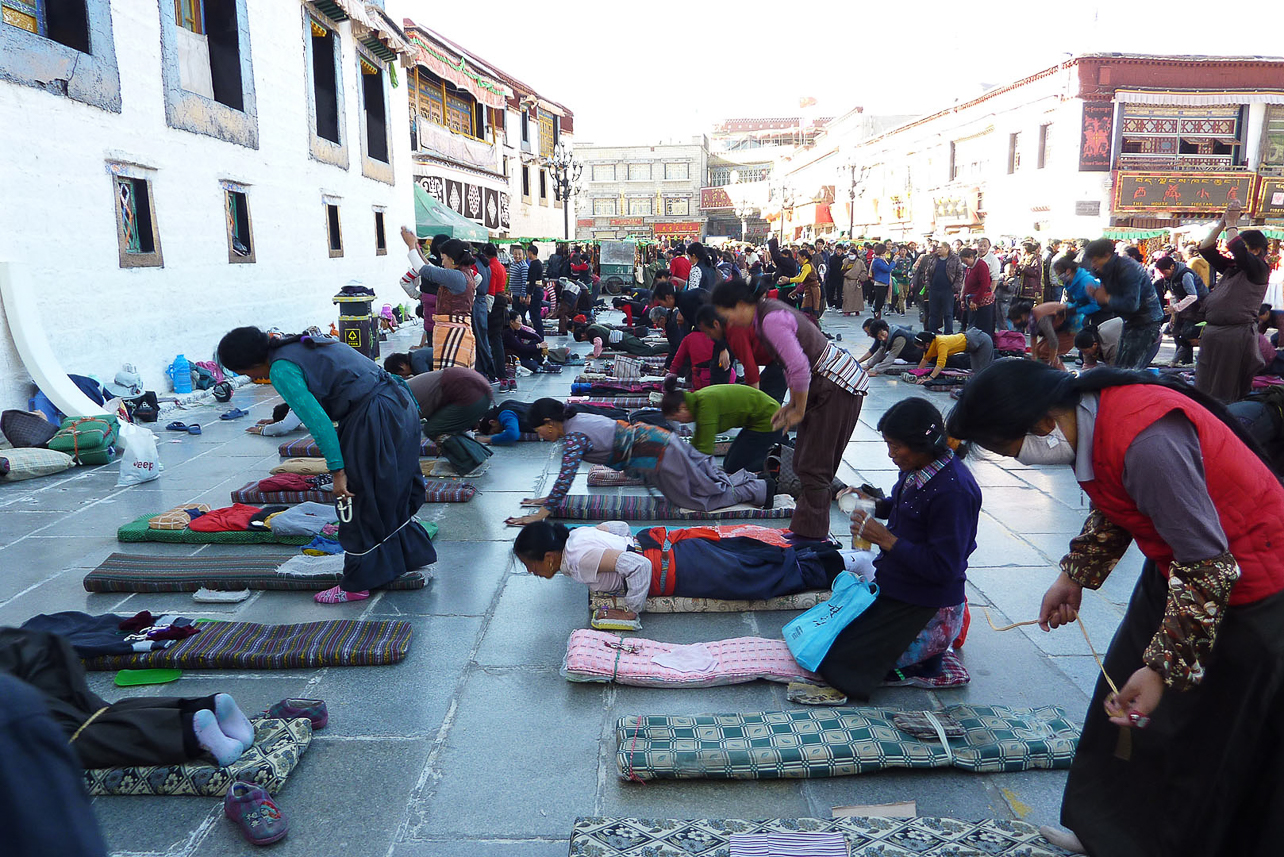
(194, 428)
(234, 414)
(294, 708)
(176, 426)
(335, 595)
(252, 809)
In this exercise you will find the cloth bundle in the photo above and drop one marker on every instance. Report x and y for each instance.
(88, 440)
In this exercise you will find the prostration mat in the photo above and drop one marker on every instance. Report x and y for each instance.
(306, 447)
(838, 742)
(681, 604)
(437, 491)
(248, 645)
(122, 572)
(601, 656)
(277, 746)
(866, 837)
(642, 507)
(138, 531)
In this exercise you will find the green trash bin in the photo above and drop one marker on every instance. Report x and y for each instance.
(357, 326)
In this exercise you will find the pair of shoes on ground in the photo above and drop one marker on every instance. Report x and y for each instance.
(194, 428)
(234, 414)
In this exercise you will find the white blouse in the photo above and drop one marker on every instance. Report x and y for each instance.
(583, 554)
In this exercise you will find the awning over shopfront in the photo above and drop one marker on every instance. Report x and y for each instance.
(1203, 98)
(433, 218)
(1126, 233)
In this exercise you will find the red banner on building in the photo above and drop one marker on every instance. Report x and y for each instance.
(585, 221)
(1096, 136)
(685, 227)
(714, 198)
(1180, 191)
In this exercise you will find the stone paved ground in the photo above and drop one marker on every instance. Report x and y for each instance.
(475, 745)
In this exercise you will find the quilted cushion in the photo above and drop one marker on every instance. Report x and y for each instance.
(601, 476)
(838, 742)
(18, 464)
(278, 744)
(176, 518)
(302, 466)
(601, 656)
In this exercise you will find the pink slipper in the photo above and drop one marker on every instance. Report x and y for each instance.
(335, 595)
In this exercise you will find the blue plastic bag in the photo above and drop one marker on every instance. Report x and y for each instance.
(811, 634)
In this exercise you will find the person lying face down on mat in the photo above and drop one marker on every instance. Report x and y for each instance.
(505, 423)
(374, 455)
(283, 421)
(720, 408)
(756, 563)
(931, 526)
(686, 477)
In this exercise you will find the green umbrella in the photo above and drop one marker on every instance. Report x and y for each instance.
(433, 218)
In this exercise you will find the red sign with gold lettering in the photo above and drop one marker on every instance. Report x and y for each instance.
(626, 221)
(686, 227)
(1180, 191)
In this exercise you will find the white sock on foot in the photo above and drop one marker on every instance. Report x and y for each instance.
(1062, 838)
(232, 722)
(225, 750)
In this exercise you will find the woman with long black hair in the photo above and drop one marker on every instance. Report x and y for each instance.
(373, 456)
(1200, 652)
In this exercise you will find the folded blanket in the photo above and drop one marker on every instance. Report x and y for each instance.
(130, 573)
(866, 837)
(838, 742)
(278, 744)
(304, 466)
(603, 507)
(247, 645)
(305, 519)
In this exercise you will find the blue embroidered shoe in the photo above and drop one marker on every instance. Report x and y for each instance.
(252, 809)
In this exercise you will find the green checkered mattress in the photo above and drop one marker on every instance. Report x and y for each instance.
(138, 531)
(130, 573)
(278, 744)
(838, 742)
(866, 837)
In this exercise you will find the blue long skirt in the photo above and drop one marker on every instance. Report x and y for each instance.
(745, 568)
(380, 441)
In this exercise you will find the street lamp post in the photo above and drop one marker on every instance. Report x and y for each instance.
(566, 179)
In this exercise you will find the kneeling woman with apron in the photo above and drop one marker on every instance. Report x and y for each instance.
(685, 477)
(374, 455)
(826, 388)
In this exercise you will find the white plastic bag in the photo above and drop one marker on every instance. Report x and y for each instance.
(140, 461)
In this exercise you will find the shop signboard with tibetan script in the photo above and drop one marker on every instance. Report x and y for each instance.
(1179, 192)
(1096, 136)
(1270, 198)
(626, 221)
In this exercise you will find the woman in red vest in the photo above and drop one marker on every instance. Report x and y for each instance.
(1200, 653)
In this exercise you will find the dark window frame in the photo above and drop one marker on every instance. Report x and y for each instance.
(133, 190)
(240, 226)
(381, 231)
(333, 228)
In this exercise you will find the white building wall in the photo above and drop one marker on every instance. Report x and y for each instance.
(59, 217)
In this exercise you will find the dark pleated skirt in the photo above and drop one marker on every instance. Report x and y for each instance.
(380, 441)
(1206, 777)
(745, 568)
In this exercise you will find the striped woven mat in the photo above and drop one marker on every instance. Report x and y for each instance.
(122, 572)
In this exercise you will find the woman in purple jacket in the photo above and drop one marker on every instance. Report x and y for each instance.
(931, 526)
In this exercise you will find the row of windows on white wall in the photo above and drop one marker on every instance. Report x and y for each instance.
(139, 237)
(210, 59)
(676, 171)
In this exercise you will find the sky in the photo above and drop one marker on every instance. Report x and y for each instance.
(660, 70)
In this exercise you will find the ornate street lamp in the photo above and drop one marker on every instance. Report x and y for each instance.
(566, 182)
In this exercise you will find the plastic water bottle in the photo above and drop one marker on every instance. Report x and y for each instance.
(180, 372)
